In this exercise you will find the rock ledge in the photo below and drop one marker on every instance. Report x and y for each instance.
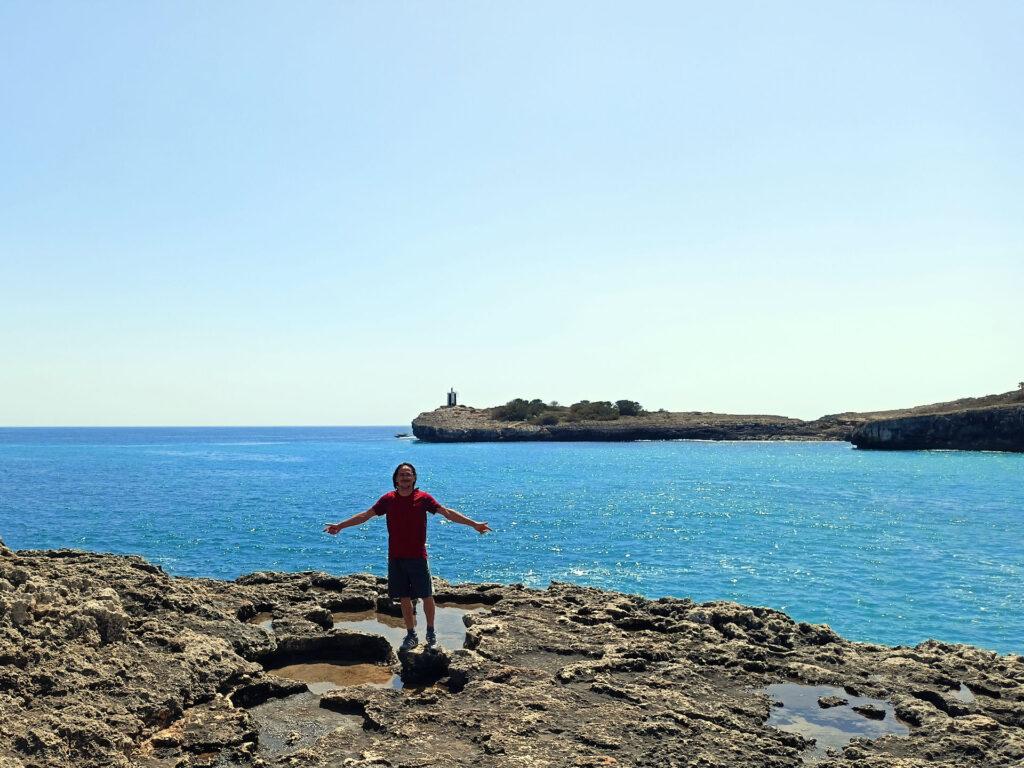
(107, 661)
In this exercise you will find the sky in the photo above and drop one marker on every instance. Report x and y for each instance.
(320, 213)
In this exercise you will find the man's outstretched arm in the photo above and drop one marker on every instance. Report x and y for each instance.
(362, 517)
(457, 517)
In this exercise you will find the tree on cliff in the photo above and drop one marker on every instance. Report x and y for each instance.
(628, 407)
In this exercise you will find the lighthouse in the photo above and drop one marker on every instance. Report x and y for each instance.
(452, 396)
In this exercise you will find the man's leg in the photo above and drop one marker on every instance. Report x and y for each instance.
(409, 613)
(399, 587)
(428, 611)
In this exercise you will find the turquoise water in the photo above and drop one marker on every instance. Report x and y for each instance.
(886, 547)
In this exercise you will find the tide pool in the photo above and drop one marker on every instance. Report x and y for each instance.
(884, 547)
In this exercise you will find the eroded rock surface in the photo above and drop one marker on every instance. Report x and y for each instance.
(994, 428)
(107, 661)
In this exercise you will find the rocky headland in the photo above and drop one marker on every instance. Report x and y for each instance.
(993, 422)
(107, 661)
(994, 428)
(464, 424)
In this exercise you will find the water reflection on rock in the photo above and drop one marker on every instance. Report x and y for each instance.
(264, 619)
(324, 676)
(964, 694)
(448, 623)
(295, 722)
(799, 709)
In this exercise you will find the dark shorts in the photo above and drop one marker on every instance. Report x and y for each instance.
(409, 577)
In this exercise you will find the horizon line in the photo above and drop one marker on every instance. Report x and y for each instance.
(196, 426)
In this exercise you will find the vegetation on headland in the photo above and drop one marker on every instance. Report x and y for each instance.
(990, 422)
(536, 411)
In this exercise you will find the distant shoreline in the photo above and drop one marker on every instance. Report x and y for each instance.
(989, 423)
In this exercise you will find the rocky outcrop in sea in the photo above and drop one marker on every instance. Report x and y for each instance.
(464, 424)
(107, 661)
(992, 422)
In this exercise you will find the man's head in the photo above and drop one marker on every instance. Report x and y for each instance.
(404, 477)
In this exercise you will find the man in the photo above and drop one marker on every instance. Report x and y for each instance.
(408, 575)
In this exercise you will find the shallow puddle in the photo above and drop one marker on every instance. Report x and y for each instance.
(831, 727)
(265, 620)
(296, 722)
(324, 676)
(320, 677)
(964, 694)
(448, 623)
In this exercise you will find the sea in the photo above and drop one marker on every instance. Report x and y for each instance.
(887, 547)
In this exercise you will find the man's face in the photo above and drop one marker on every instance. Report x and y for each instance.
(406, 479)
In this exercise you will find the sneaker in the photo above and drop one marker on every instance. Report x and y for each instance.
(411, 641)
(431, 639)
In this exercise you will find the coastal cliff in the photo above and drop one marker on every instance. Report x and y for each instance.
(995, 428)
(106, 660)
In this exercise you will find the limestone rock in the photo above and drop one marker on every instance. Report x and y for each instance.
(107, 661)
(827, 702)
(870, 711)
(993, 428)
(422, 666)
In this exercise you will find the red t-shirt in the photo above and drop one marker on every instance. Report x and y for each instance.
(407, 522)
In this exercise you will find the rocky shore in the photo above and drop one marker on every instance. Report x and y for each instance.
(108, 661)
(993, 422)
(996, 428)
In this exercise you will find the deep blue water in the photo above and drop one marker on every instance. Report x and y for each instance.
(886, 547)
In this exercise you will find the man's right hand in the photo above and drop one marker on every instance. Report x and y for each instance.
(332, 528)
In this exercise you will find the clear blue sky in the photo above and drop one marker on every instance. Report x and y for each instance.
(330, 213)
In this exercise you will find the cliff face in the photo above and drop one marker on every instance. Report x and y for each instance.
(996, 428)
(108, 661)
(464, 424)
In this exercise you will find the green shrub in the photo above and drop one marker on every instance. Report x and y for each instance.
(519, 410)
(537, 412)
(628, 407)
(545, 419)
(600, 410)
